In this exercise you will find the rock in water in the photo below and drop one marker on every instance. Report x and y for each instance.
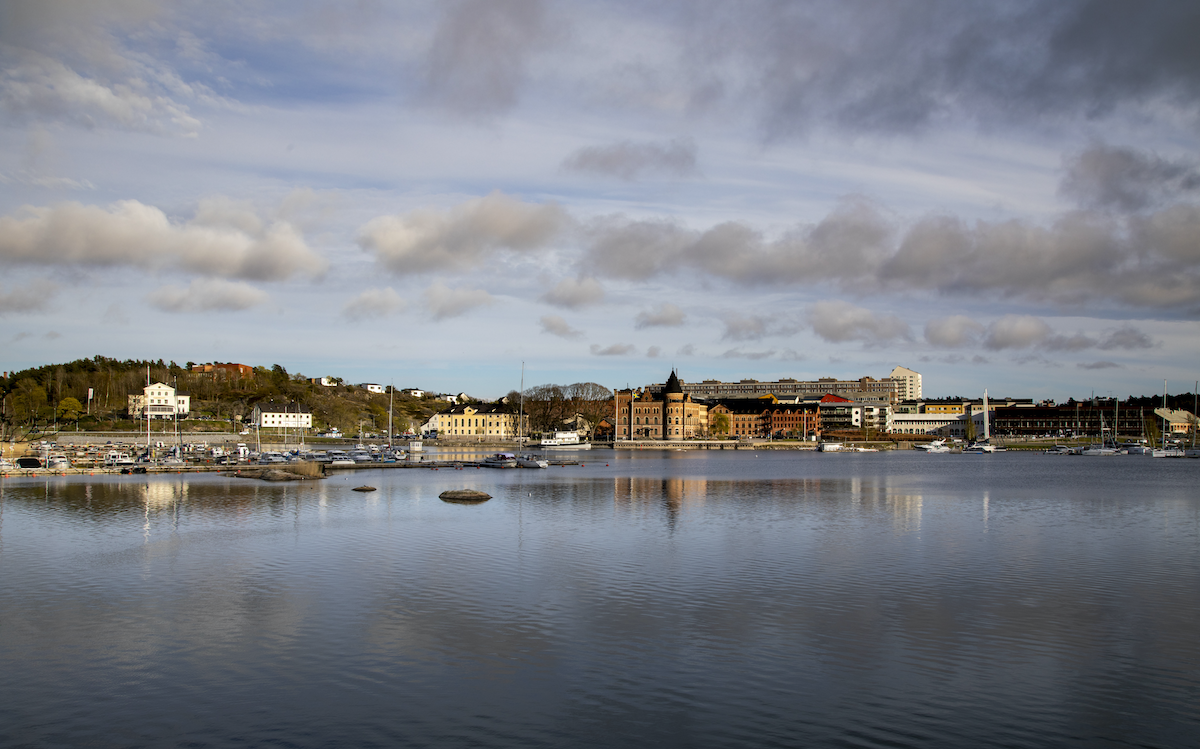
(363, 488)
(464, 496)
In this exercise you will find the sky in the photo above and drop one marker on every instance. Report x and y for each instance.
(444, 195)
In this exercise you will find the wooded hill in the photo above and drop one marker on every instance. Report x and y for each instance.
(35, 399)
(38, 399)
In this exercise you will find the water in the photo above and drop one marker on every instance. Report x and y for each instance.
(643, 599)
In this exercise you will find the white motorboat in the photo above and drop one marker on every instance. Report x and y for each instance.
(58, 462)
(6, 464)
(565, 441)
(937, 446)
(830, 447)
(500, 460)
(532, 461)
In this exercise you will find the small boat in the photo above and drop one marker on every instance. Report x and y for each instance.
(532, 461)
(830, 447)
(500, 460)
(565, 441)
(937, 446)
(29, 462)
(6, 464)
(58, 462)
(1062, 450)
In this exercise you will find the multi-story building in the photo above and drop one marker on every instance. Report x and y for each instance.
(271, 415)
(864, 390)
(745, 417)
(161, 401)
(224, 370)
(907, 383)
(467, 421)
(668, 414)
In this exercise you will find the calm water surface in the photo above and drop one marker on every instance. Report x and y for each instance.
(645, 599)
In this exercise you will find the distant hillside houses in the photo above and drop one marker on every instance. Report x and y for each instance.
(224, 370)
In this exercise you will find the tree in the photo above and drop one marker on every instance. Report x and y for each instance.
(720, 423)
(70, 409)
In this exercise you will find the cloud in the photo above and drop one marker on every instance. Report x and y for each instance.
(574, 293)
(653, 352)
(461, 238)
(1016, 331)
(630, 161)
(888, 68)
(952, 332)
(207, 295)
(131, 234)
(477, 64)
(34, 296)
(555, 325)
(837, 322)
(444, 302)
(737, 353)
(1106, 177)
(1127, 337)
(617, 349)
(1098, 365)
(373, 303)
(665, 315)
(743, 328)
(686, 349)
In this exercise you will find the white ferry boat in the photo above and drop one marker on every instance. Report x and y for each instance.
(565, 441)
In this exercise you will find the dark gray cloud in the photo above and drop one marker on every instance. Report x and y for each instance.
(1098, 365)
(481, 49)
(1127, 338)
(1125, 179)
(34, 296)
(867, 66)
(630, 161)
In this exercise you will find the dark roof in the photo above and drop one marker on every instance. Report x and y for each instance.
(673, 385)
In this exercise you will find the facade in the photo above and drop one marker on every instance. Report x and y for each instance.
(794, 420)
(225, 370)
(865, 389)
(269, 415)
(162, 402)
(371, 387)
(907, 383)
(670, 414)
(478, 421)
(747, 417)
(1177, 421)
(947, 424)
(1090, 419)
(327, 382)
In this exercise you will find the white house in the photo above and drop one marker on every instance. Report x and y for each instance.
(371, 387)
(282, 416)
(415, 393)
(162, 402)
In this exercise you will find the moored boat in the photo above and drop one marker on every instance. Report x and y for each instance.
(937, 446)
(500, 460)
(532, 461)
(565, 441)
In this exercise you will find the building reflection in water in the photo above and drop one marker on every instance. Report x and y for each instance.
(676, 495)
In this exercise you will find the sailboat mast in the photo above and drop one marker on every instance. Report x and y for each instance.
(987, 433)
(521, 409)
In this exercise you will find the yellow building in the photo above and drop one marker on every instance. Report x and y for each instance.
(493, 421)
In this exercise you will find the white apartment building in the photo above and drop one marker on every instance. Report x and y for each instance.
(161, 401)
(907, 383)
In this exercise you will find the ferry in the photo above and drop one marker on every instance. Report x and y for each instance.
(565, 441)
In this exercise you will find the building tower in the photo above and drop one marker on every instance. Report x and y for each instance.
(674, 418)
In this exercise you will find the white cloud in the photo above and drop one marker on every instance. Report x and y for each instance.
(463, 237)
(555, 325)
(574, 293)
(954, 331)
(373, 303)
(444, 302)
(1016, 331)
(837, 322)
(616, 349)
(665, 315)
(132, 234)
(207, 295)
(653, 352)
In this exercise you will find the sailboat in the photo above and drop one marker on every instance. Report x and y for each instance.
(984, 445)
(1106, 445)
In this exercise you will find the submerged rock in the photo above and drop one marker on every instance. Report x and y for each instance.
(269, 474)
(363, 488)
(464, 496)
